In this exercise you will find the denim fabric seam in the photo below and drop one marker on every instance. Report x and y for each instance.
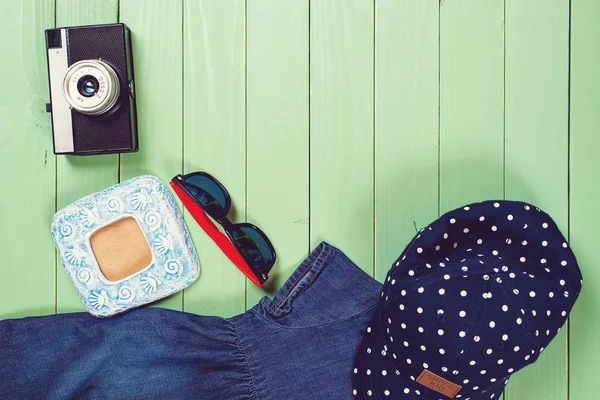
(317, 269)
(245, 360)
(298, 276)
(368, 309)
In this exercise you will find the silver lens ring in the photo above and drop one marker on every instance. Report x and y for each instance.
(102, 89)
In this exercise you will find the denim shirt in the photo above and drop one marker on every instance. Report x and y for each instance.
(300, 345)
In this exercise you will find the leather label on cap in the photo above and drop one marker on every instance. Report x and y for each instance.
(439, 384)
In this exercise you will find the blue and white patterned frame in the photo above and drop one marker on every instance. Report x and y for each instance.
(174, 263)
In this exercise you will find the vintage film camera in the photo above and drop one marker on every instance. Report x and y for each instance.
(92, 96)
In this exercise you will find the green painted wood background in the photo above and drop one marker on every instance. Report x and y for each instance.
(351, 121)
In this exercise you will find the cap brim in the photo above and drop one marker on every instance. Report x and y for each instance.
(391, 384)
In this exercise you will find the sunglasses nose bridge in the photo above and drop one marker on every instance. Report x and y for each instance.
(226, 223)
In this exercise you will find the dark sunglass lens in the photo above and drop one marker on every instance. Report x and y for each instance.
(254, 247)
(207, 193)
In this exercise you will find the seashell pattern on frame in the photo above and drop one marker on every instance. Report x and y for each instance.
(88, 217)
(149, 283)
(163, 244)
(66, 230)
(98, 299)
(115, 204)
(75, 256)
(152, 220)
(125, 295)
(84, 275)
(174, 264)
(139, 200)
(172, 267)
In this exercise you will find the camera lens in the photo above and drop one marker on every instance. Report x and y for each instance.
(88, 85)
(91, 87)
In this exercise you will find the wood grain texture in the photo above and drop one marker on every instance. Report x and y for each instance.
(27, 163)
(406, 124)
(157, 51)
(215, 138)
(341, 127)
(277, 132)
(86, 12)
(584, 195)
(77, 177)
(537, 113)
(471, 102)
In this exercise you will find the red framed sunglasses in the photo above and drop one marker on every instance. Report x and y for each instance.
(245, 245)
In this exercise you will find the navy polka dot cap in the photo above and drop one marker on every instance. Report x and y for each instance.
(476, 296)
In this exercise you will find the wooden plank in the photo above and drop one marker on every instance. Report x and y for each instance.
(277, 131)
(215, 139)
(584, 195)
(341, 127)
(77, 177)
(27, 163)
(536, 92)
(86, 12)
(157, 50)
(471, 101)
(406, 124)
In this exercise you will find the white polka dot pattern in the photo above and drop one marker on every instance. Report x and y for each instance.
(476, 296)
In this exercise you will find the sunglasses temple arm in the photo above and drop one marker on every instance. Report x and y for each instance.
(211, 230)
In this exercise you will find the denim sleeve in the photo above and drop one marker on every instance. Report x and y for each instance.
(147, 353)
(327, 287)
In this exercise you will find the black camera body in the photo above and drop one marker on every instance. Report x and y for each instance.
(92, 93)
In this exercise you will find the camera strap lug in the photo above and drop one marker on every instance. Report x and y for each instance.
(131, 89)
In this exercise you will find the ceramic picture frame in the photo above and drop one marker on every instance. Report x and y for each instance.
(173, 260)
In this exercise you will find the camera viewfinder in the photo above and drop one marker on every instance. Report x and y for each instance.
(53, 38)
